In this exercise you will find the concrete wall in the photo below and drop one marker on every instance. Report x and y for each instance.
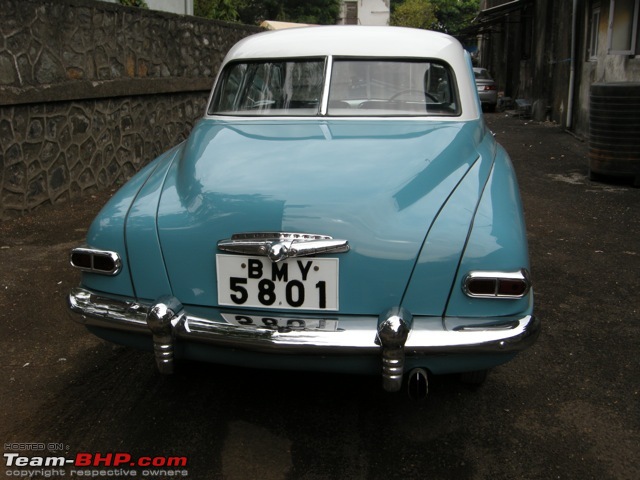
(92, 91)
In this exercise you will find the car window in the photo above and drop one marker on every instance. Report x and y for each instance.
(292, 87)
(358, 87)
(391, 87)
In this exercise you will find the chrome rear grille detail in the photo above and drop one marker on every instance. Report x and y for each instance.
(279, 246)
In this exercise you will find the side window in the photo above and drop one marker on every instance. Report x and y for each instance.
(623, 27)
(593, 32)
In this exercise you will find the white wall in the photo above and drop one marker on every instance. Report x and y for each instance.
(184, 7)
(370, 12)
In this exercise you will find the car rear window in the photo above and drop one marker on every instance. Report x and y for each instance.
(392, 88)
(286, 87)
(358, 87)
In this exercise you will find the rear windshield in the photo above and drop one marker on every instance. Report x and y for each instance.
(291, 87)
(357, 87)
(391, 87)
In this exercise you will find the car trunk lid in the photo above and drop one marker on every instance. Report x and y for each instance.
(376, 184)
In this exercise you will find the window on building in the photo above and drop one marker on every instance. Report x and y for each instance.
(351, 13)
(593, 29)
(623, 27)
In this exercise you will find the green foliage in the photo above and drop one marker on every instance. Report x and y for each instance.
(225, 10)
(450, 16)
(321, 12)
(134, 3)
(454, 15)
(414, 14)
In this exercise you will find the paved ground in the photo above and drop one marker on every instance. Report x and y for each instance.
(569, 408)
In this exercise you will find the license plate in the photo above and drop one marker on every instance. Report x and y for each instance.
(281, 324)
(296, 283)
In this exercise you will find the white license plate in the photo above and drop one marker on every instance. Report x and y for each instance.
(281, 324)
(297, 283)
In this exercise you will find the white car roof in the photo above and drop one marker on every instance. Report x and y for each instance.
(345, 40)
(364, 41)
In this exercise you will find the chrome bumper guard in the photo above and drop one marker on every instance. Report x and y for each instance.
(393, 335)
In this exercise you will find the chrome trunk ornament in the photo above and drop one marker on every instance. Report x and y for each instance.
(279, 246)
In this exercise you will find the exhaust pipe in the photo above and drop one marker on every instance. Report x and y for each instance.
(418, 384)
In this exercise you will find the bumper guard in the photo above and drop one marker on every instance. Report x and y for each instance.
(393, 335)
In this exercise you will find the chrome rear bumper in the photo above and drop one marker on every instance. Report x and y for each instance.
(393, 335)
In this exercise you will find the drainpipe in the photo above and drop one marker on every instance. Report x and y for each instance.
(572, 71)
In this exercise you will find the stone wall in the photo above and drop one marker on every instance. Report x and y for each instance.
(91, 91)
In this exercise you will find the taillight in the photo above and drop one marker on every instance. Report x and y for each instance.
(489, 87)
(96, 261)
(497, 284)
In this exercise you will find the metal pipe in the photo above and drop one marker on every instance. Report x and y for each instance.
(572, 70)
(418, 384)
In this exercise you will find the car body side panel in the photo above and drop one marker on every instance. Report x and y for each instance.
(143, 245)
(435, 269)
(497, 242)
(108, 232)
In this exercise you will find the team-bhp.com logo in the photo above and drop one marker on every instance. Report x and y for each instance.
(96, 465)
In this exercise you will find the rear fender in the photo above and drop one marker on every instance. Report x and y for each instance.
(497, 242)
(435, 270)
(109, 229)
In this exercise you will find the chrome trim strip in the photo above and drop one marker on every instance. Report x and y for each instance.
(92, 252)
(324, 106)
(355, 335)
(98, 309)
(279, 246)
(522, 275)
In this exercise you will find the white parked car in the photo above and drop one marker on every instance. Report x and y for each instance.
(487, 89)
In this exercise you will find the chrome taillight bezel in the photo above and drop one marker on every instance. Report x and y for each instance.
(499, 278)
(93, 257)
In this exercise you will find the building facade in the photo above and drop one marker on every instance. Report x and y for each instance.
(365, 12)
(551, 53)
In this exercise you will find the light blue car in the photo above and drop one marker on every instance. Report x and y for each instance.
(341, 206)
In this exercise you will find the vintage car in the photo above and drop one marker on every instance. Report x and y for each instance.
(340, 207)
